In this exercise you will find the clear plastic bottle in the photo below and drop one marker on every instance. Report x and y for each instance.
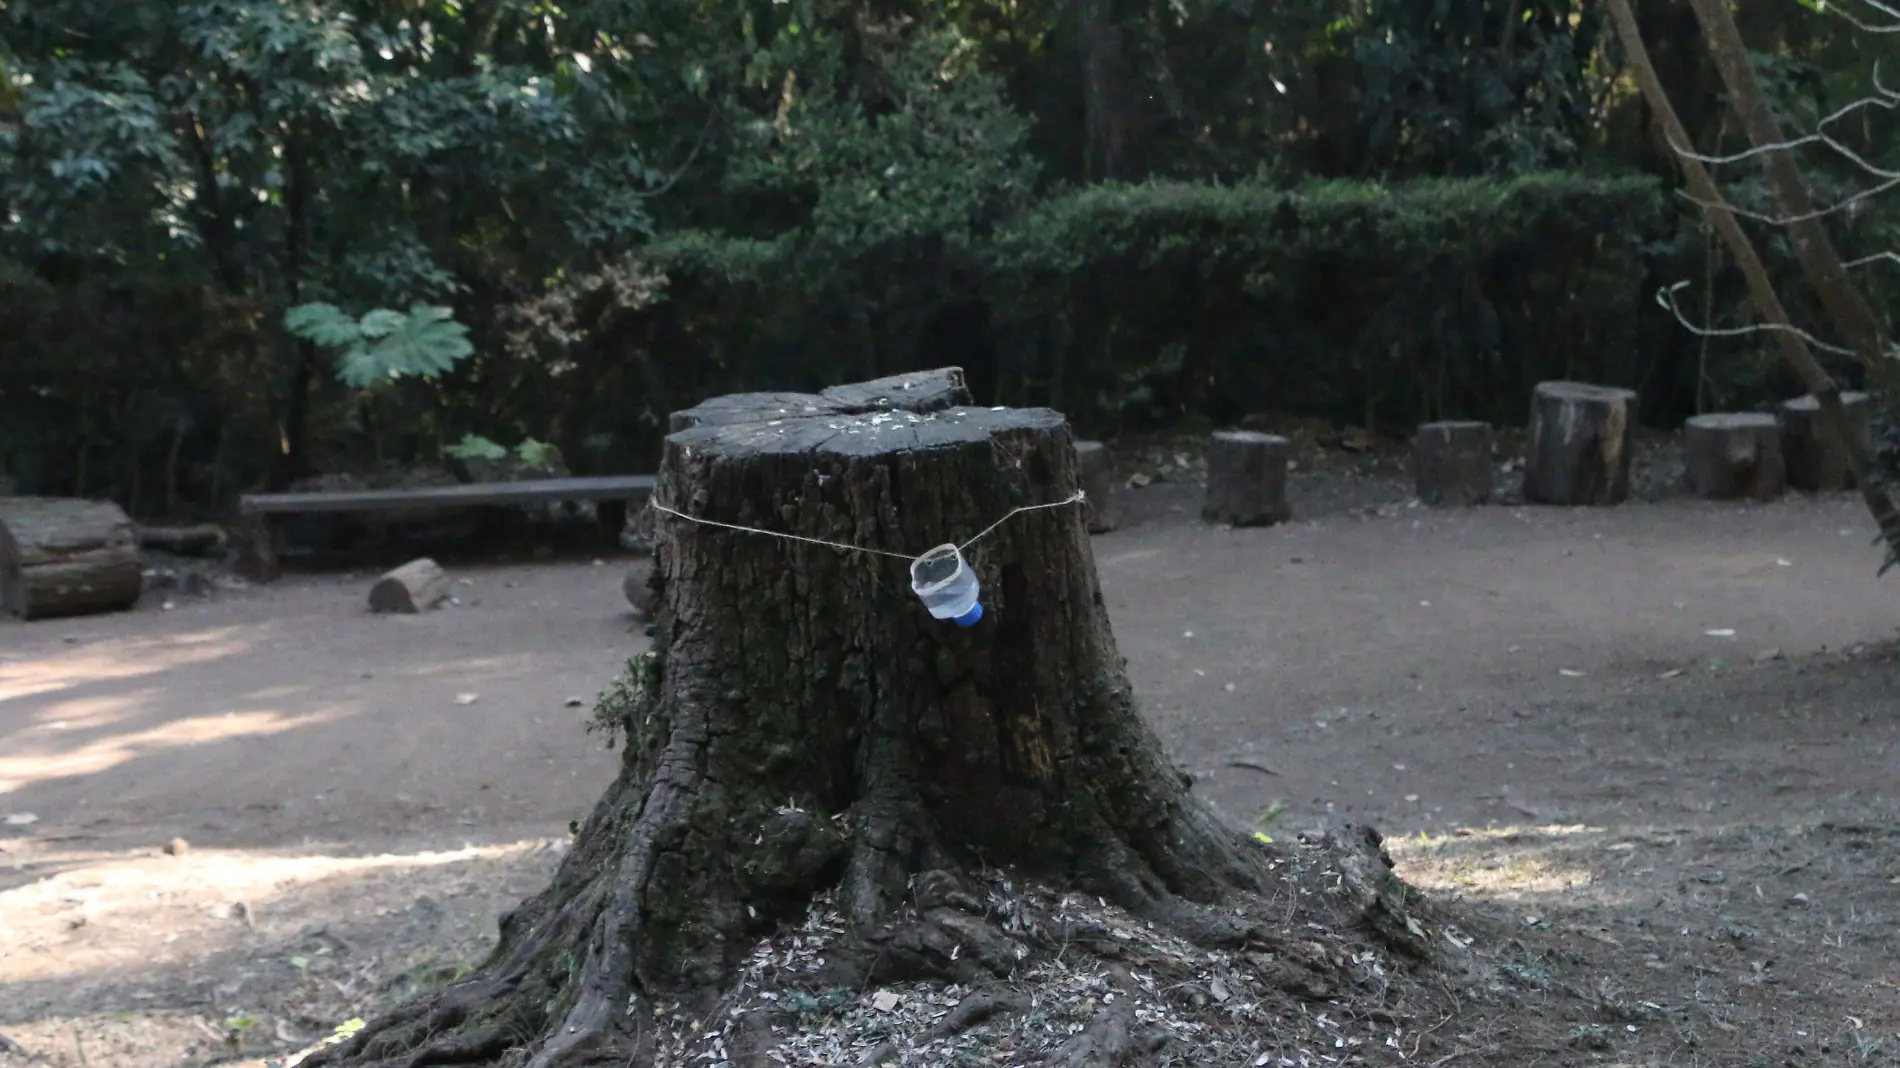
(944, 582)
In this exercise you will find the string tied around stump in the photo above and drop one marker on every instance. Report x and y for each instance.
(940, 578)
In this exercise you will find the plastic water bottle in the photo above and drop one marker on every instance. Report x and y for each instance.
(947, 586)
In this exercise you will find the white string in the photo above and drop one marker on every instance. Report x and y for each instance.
(1076, 498)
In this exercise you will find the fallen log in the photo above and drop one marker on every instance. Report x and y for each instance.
(200, 539)
(62, 557)
(416, 586)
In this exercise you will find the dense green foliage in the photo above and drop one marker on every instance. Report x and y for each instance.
(1372, 209)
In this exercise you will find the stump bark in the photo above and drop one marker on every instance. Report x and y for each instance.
(1731, 455)
(804, 727)
(416, 586)
(62, 557)
(1098, 481)
(1816, 460)
(1580, 442)
(1452, 463)
(1246, 478)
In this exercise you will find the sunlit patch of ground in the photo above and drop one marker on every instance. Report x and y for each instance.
(144, 959)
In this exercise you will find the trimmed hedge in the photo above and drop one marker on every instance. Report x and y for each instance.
(1375, 304)
(1132, 305)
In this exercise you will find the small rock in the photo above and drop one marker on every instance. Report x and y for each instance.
(1766, 655)
(177, 847)
(574, 702)
(21, 819)
(886, 1001)
(1140, 480)
(466, 698)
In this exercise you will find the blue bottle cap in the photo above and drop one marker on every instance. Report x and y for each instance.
(969, 619)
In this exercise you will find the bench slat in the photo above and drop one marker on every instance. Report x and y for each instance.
(534, 491)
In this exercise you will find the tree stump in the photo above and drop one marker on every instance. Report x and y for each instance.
(1098, 481)
(1732, 455)
(1580, 442)
(416, 586)
(805, 730)
(62, 557)
(1452, 463)
(1246, 478)
(1816, 460)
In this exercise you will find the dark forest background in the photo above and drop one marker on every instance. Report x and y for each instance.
(247, 241)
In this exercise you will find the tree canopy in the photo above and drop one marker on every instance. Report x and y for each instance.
(559, 221)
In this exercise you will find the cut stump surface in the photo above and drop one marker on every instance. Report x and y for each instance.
(1732, 455)
(1581, 438)
(61, 557)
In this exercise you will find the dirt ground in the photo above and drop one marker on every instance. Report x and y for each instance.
(1660, 738)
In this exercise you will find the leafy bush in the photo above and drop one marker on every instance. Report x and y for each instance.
(1130, 304)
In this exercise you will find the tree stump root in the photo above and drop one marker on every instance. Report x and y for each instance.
(825, 791)
(1051, 977)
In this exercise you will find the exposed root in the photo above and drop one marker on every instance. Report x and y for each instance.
(974, 1010)
(1107, 1042)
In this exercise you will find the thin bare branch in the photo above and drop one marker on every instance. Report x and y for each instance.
(1790, 220)
(1840, 11)
(1885, 99)
(1666, 297)
(1878, 257)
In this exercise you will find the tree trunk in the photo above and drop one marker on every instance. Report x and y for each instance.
(416, 586)
(1451, 463)
(1734, 455)
(804, 727)
(1580, 444)
(1246, 478)
(62, 557)
(1806, 227)
(1818, 460)
(1097, 472)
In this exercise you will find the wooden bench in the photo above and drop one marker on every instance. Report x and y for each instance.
(259, 562)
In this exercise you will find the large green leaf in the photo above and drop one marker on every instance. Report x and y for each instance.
(384, 344)
(323, 324)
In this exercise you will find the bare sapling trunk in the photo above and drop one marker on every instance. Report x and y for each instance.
(1818, 259)
(805, 727)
